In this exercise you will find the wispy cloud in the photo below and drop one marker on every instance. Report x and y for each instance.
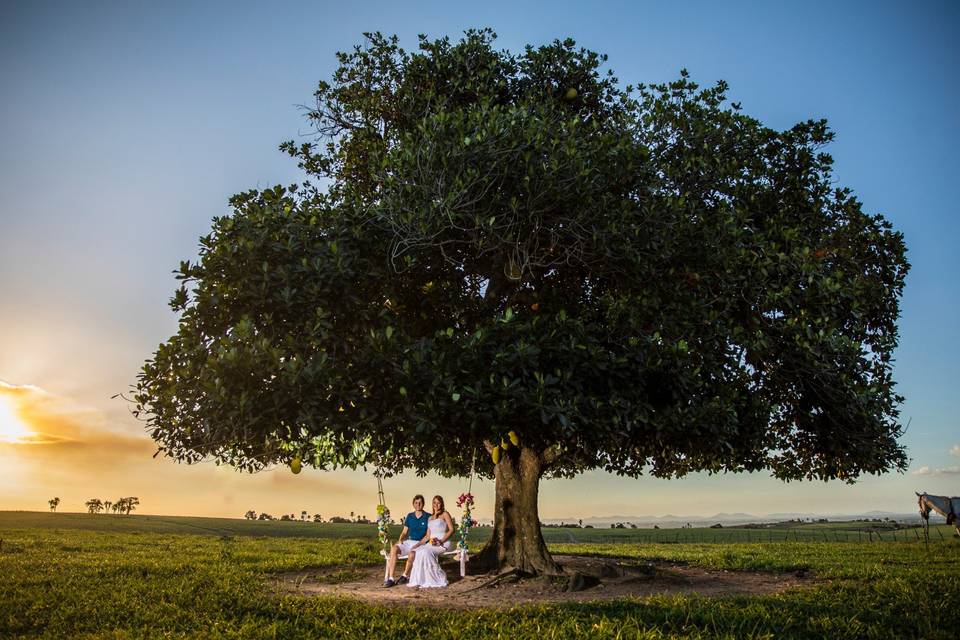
(16, 388)
(60, 425)
(926, 470)
(945, 471)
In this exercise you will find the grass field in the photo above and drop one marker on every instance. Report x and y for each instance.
(82, 576)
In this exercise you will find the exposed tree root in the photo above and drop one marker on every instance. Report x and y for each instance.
(500, 577)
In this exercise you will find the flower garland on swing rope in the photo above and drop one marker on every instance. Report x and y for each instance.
(383, 520)
(466, 502)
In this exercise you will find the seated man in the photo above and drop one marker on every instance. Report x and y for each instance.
(414, 529)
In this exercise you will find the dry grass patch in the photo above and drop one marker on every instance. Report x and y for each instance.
(587, 579)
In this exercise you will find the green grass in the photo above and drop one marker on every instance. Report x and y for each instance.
(66, 576)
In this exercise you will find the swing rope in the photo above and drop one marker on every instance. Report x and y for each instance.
(466, 501)
(383, 513)
(473, 466)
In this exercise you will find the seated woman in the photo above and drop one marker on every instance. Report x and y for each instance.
(426, 571)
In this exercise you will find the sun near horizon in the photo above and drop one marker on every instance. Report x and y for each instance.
(12, 428)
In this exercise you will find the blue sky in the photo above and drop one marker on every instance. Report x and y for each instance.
(124, 128)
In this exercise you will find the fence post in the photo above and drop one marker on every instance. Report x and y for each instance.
(940, 532)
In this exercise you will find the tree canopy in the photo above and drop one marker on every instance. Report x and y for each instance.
(640, 279)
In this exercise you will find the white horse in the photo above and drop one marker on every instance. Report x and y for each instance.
(947, 507)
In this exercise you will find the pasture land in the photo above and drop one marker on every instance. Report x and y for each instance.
(76, 575)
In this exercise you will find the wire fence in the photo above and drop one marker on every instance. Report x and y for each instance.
(808, 534)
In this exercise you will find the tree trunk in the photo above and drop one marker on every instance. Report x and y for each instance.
(516, 542)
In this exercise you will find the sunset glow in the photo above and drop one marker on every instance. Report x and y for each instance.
(12, 428)
(163, 132)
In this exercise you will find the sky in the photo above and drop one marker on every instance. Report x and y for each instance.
(125, 127)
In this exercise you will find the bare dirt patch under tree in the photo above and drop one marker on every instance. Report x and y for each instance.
(586, 579)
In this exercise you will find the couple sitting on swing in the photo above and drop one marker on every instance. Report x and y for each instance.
(424, 537)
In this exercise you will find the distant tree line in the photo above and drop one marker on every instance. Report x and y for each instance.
(120, 505)
(563, 525)
(305, 517)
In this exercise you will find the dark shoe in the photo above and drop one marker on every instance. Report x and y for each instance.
(403, 580)
(388, 582)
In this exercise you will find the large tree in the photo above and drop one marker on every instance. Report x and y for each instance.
(635, 279)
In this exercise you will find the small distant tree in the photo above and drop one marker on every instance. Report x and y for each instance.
(285, 518)
(107, 505)
(126, 505)
(265, 516)
(303, 515)
(250, 515)
(54, 502)
(94, 505)
(317, 517)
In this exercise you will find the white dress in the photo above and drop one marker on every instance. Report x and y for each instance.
(426, 571)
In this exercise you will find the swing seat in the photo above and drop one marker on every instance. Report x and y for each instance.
(464, 557)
